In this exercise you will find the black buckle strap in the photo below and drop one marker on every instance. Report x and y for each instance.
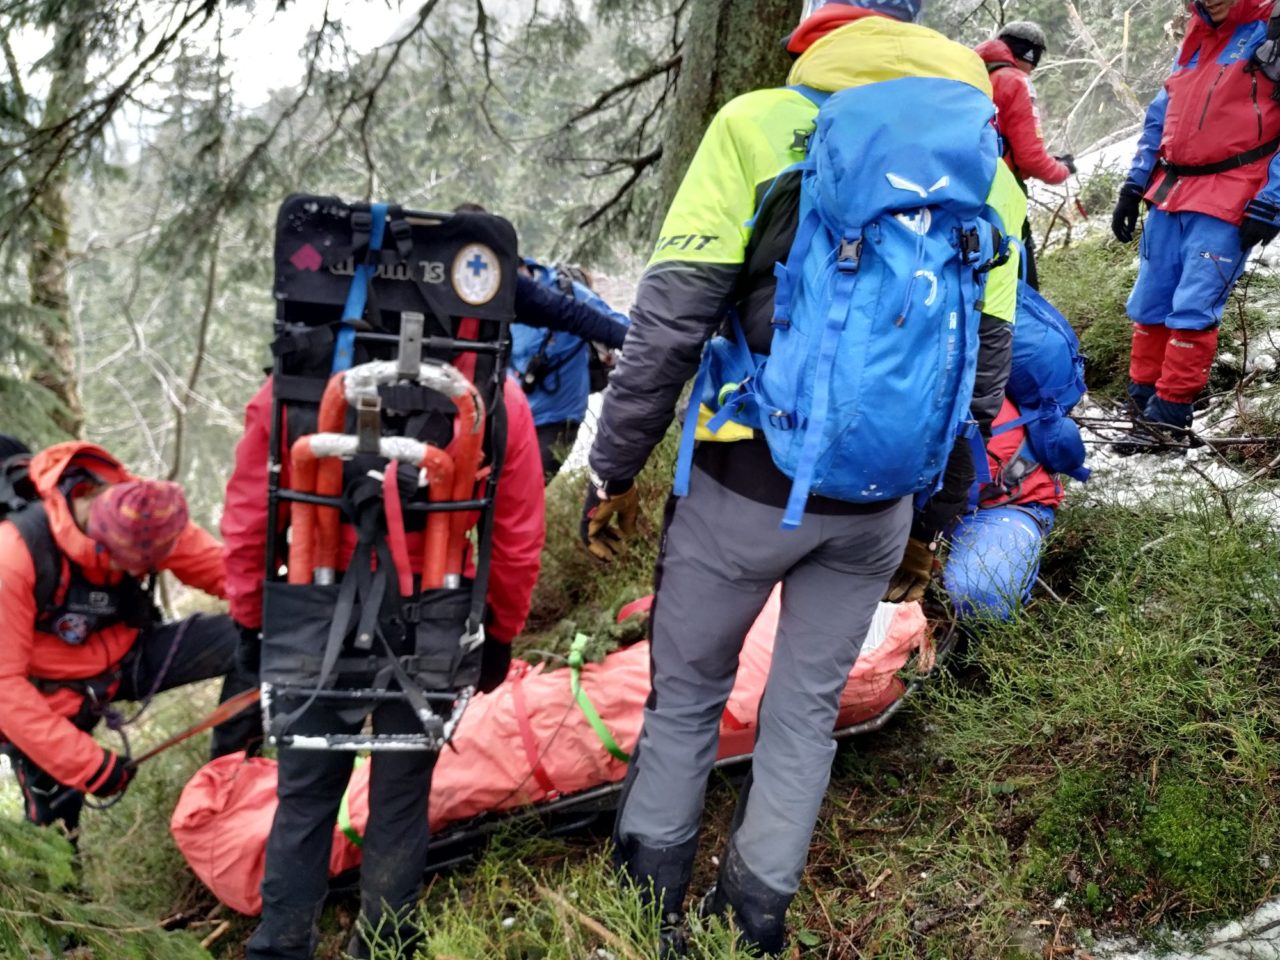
(1178, 170)
(361, 232)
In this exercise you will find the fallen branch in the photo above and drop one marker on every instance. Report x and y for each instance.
(216, 934)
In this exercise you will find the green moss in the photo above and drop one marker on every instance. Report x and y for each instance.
(1064, 826)
(1199, 839)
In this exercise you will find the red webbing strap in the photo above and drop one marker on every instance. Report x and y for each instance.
(396, 538)
(527, 739)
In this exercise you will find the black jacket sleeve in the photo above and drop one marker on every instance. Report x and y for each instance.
(538, 305)
(995, 360)
(679, 305)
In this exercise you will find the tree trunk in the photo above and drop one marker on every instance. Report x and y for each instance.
(730, 47)
(51, 234)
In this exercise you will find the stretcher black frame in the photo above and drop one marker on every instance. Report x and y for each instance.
(443, 308)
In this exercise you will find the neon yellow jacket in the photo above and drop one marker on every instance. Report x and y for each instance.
(707, 255)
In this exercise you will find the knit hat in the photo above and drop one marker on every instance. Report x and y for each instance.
(906, 10)
(138, 522)
(1025, 40)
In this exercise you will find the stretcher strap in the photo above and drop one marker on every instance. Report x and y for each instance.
(527, 739)
(395, 528)
(584, 702)
(344, 814)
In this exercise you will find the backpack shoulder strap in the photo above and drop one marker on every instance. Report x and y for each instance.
(33, 525)
(999, 65)
(816, 97)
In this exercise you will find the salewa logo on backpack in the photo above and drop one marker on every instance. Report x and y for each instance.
(875, 333)
(428, 271)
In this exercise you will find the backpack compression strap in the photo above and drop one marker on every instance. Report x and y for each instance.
(33, 526)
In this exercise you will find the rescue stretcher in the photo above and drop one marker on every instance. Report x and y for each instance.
(530, 752)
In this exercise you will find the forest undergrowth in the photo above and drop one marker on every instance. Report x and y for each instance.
(1104, 764)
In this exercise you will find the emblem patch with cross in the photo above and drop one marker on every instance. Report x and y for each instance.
(476, 274)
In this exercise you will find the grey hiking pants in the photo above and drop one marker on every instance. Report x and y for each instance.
(721, 556)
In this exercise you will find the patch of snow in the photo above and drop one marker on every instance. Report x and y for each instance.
(1256, 937)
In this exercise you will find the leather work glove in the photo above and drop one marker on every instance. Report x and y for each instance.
(604, 539)
(1259, 224)
(113, 775)
(1068, 161)
(1128, 208)
(914, 573)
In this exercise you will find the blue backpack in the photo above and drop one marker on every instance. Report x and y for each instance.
(1047, 381)
(875, 330)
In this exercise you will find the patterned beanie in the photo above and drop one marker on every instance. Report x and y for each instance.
(138, 522)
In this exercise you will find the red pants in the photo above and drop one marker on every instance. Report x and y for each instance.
(1176, 362)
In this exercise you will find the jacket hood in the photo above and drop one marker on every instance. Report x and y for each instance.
(823, 21)
(871, 48)
(47, 470)
(995, 51)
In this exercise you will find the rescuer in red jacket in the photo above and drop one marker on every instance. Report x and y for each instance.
(311, 783)
(1206, 164)
(518, 534)
(80, 629)
(1011, 55)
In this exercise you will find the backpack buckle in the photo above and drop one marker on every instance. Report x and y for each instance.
(782, 420)
(402, 234)
(361, 231)
(970, 243)
(800, 140)
(850, 255)
(368, 425)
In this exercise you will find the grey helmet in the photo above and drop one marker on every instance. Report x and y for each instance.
(1025, 40)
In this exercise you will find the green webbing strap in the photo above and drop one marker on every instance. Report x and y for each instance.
(584, 703)
(344, 815)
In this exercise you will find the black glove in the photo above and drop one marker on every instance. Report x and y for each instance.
(249, 650)
(1259, 225)
(112, 776)
(604, 540)
(495, 661)
(1068, 161)
(1128, 207)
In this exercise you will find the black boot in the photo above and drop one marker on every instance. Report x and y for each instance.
(660, 874)
(759, 912)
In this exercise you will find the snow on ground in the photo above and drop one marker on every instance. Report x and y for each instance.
(1167, 477)
(1256, 937)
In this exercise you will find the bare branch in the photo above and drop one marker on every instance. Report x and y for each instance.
(638, 166)
(1117, 83)
(605, 98)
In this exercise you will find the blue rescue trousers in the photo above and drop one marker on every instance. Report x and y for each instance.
(995, 557)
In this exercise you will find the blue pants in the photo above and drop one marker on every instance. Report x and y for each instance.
(994, 559)
(1189, 263)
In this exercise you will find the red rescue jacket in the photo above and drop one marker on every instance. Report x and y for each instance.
(518, 533)
(1018, 117)
(37, 723)
(1217, 110)
(1039, 486)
